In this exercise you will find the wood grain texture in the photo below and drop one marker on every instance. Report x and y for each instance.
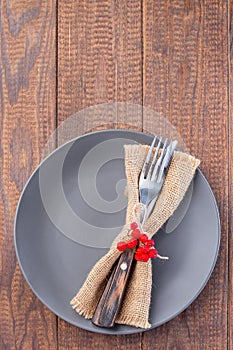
(27, 107)
(99, 61)
(174, 57)
(185, 77)
(230, 257)
(112, 297)
(99, 54)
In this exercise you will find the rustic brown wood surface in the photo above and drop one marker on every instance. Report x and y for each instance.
(186, 79)
(27, 102)
(230, 245)
(59, 57)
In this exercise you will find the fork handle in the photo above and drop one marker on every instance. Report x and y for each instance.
(111, 299)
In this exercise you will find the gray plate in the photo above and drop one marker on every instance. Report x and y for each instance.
(55, 259)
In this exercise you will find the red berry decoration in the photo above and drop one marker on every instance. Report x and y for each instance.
(153, 253)
(133, 226)
(150, 243)
(146, 249)
(136, 233)
(132, 243)
(145, 257)
(137, 256)
(143, 250)
(121, 246)
(139, 250)
(142, 257)
(143, 238)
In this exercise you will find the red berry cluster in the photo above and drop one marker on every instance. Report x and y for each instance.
(145, 251)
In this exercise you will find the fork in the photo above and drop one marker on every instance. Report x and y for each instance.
(151, 181)
(152, 176)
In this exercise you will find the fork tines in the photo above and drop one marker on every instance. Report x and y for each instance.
(154, 169)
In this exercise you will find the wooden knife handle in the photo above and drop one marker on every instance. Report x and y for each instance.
(110, 301)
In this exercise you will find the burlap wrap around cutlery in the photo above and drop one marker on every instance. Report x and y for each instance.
(135, 308)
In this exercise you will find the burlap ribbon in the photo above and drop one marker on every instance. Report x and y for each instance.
(135, 307)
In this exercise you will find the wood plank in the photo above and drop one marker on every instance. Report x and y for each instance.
(27, 107)
(99, 61)
(186, 79)
(230, 288)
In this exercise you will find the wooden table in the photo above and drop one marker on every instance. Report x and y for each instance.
(60, 57)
